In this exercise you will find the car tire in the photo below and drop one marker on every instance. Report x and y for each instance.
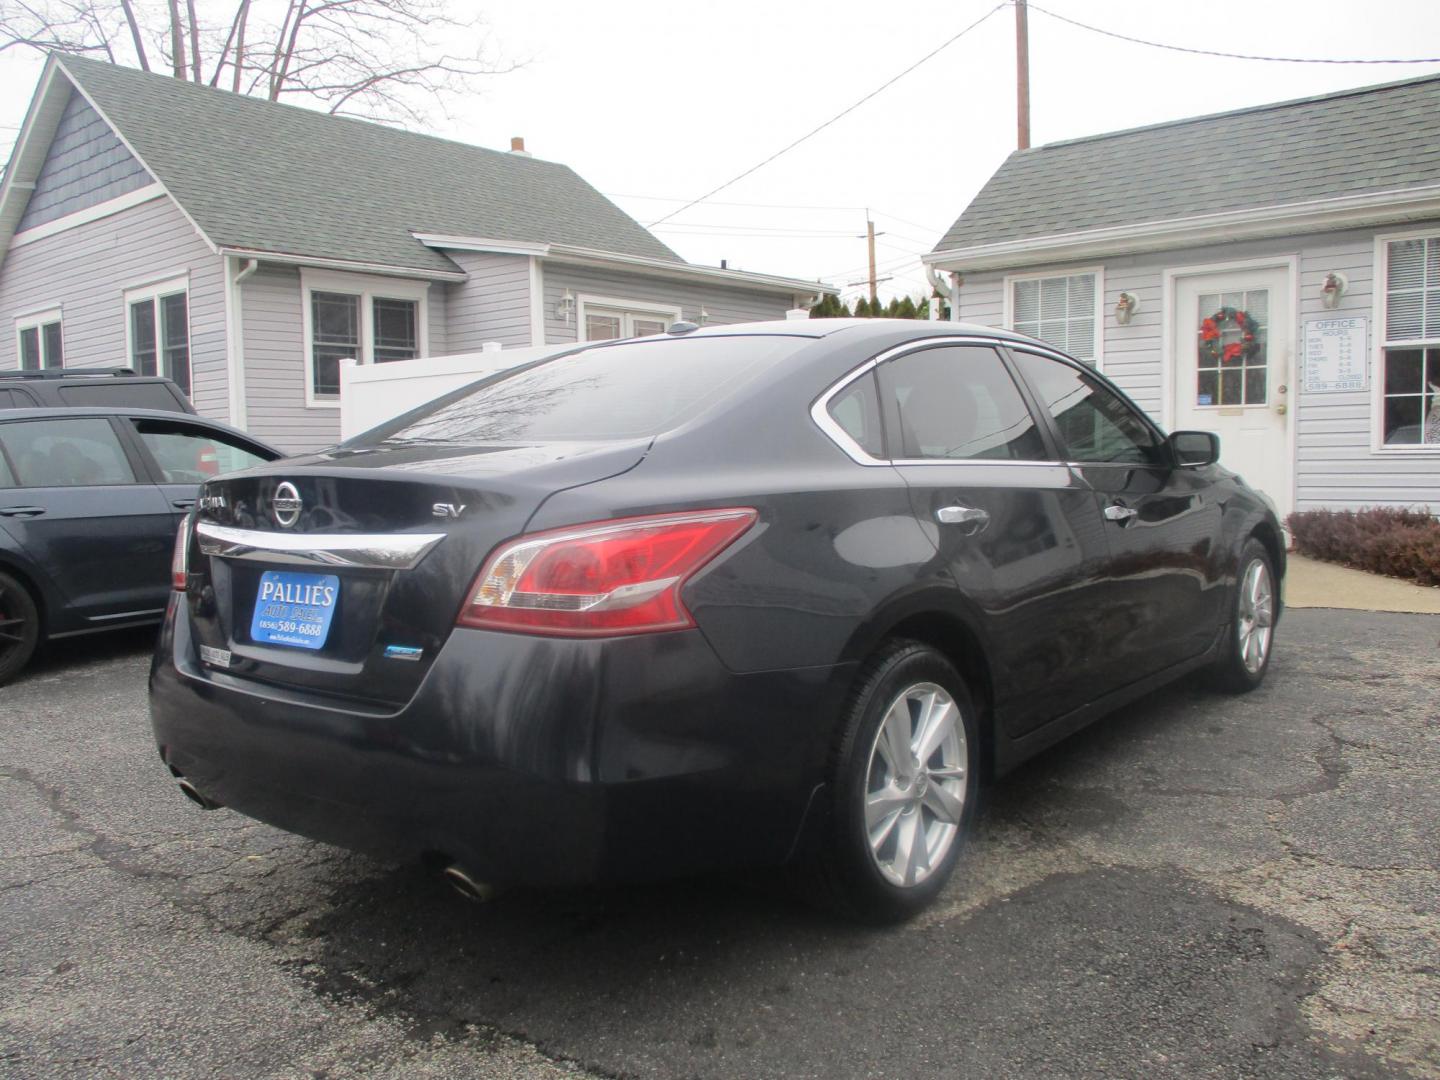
(1250, 628)
(894, 829)
(19, 627)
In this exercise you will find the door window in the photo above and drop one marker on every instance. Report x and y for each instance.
(1231, 362)
(191, 455)
(65, 453)
(1095, 424)
(958, 402)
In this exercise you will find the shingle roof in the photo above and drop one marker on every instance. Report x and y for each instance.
(1375, 138)
(265, 176)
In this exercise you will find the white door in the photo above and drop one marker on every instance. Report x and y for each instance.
(1232, 336)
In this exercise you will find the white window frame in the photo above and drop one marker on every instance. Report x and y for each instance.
(37, 321)
(1098, 272)
(367, 287)
(153, 291)
(1379, 297)
(625, 309)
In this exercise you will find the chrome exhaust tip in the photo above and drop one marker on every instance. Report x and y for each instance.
(477, 892)
(190, 792)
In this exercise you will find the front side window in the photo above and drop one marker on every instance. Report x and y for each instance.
(64, 453)
(190, 455)
(1411, 352)
(159, 331)
(351, 317)
(41, 343)
(1095, 424)
(1060, 310)
(958, 402)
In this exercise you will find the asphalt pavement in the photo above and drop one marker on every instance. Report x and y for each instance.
(1198, 886)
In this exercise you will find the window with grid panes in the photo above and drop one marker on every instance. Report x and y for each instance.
(1059, 310)
(1410, 378)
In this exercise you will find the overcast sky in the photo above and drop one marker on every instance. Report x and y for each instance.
(655, 102)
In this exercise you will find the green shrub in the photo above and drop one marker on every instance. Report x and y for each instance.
(1382, 540)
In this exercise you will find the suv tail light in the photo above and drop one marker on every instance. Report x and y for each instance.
(601, 579)
(180, 560)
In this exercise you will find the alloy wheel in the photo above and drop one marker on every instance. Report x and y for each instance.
(1256, 616)
(915, 784)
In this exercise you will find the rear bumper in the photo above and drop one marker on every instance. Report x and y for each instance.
(526, 759)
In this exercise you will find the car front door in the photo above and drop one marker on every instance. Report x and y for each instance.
(78, 509)
(1020, 534)
(1162, 523)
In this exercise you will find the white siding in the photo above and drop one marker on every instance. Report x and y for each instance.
(493, 305)
(85, 271)
(1335, 466)
(722, 303)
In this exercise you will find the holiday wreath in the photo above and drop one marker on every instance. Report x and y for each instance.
(1212, 353)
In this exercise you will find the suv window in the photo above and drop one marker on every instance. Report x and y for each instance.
(188, 454)
(112, 393)
(65, 453)
(1095, 424)
(958, 402)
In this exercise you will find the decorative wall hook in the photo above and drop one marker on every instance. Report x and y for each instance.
(1126, 306)
(1332, 288)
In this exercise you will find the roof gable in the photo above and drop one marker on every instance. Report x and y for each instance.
(1374, 139)
(263, 176)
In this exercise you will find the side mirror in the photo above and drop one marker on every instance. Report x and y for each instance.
(1192, 448)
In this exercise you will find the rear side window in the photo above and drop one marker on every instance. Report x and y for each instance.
(631, 390)
(120, 395)
(857, 411)
(958, 402)
(188, 454)
(1095, 424)
(65, 453)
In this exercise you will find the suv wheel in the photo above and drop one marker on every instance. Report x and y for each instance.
(19, 627)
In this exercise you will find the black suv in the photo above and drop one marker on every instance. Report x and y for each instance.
(117, 387)
(90, 500)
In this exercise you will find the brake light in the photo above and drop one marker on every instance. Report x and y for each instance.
(601, 579)
(180, 560)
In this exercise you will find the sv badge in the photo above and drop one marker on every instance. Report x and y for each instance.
(448, 510)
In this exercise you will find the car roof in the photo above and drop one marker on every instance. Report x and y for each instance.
(51, 412)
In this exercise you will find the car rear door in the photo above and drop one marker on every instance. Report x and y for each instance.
(82, 510)
(182, 454)
(1161, 523)
(1020, 533)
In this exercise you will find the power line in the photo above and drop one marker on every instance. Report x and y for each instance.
(1225, 55)
(838, 116)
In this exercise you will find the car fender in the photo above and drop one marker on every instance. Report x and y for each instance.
(48, 598)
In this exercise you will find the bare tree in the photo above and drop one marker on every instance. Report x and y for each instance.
(396, 61)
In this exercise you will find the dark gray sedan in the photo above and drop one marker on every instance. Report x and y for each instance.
(781, 593)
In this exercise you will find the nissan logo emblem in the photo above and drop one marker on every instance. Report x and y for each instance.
(286, 504)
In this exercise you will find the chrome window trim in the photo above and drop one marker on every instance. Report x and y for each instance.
(390, 551)
(820, 411)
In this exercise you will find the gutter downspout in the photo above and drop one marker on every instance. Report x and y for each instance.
(235, 337)
(948, 289)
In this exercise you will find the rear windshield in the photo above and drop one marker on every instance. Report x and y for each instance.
(120, 395)
(633, 390)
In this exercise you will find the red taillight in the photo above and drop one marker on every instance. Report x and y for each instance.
(600, 579)
(180, 561)
(206, 460)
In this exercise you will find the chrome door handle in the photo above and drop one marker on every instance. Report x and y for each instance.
(1122, 514)
(972, 517)
(21, 511)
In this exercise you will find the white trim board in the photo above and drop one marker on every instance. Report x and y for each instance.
(537, 302)
(100, 210)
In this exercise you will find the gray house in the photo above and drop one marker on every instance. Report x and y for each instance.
(1272, 274)
(244, 248)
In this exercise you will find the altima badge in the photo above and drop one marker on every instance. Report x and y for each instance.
(286, 505)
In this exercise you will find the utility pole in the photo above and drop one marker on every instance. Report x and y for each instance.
(870, 239)
(1022, 75)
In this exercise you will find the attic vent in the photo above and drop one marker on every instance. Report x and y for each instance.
(517, 145)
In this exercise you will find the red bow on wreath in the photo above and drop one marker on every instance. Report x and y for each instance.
(1247, 349)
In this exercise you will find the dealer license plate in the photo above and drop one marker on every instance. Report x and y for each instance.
(294, 609)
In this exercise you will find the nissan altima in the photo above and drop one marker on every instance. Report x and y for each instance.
(758, 595)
